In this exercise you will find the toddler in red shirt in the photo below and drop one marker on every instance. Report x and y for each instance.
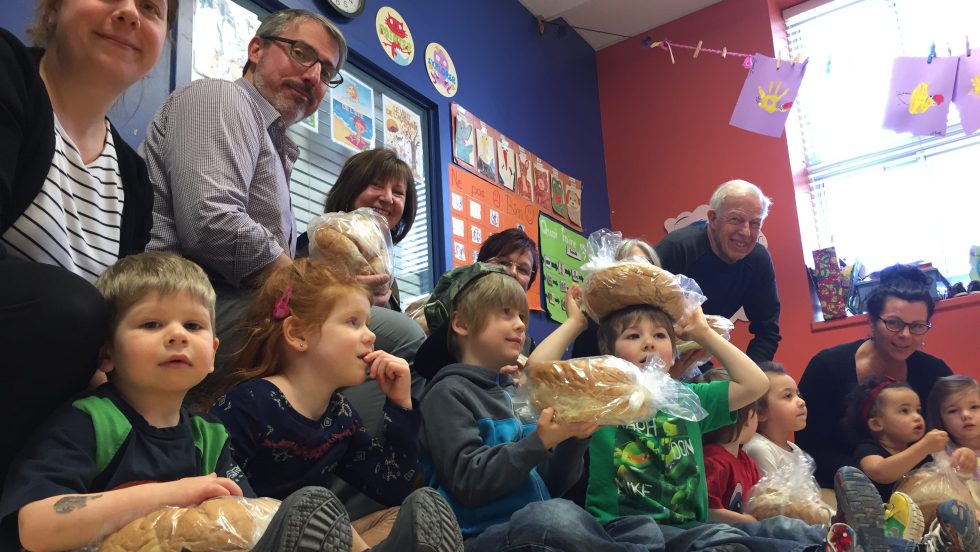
(730, 472)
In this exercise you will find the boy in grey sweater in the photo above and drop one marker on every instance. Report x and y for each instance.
(499, 473)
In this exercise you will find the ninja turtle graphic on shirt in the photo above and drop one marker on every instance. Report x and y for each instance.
(656, 470)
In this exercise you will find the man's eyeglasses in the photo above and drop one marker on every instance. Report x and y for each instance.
(522, 269)
(304, 54)
(897, 325)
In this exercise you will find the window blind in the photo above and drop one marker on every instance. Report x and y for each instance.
(880, 196)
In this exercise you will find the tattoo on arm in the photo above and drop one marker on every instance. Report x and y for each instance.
(69, 504)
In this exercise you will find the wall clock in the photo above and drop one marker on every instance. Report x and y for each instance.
(347, 8)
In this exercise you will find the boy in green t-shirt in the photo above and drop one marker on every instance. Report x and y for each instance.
(656, 467)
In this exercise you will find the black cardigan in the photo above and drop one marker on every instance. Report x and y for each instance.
(828, 378)
(27, 147)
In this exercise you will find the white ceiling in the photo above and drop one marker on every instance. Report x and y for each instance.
(622, 17)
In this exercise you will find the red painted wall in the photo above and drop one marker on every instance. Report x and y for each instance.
(668, 145)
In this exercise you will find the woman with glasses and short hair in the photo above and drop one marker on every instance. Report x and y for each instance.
(513, 250)
(899, 313)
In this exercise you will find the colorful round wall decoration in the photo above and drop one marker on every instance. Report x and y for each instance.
(394, 35)
(441, 70)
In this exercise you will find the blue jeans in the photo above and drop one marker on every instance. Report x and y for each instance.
(776, 534)
(559, 525)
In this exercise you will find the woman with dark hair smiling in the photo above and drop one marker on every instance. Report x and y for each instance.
(74, 197)
(900, 310)
(513, 250)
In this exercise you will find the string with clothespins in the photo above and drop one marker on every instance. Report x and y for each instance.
(724, 52)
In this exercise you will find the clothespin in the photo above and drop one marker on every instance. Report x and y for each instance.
(671, 50)
(724, 52)
(779, 59)
(796, 59)
(967, 45)
(932, 53)
(698, 49)
(748, 62)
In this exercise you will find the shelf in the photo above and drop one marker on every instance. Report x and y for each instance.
(951, 304)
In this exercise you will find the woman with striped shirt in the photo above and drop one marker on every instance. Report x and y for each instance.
(74, 197)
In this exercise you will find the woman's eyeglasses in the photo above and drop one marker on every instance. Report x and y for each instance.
(304, 54)
(522, 269)
(897, 325)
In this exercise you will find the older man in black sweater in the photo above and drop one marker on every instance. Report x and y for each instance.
(733, 269)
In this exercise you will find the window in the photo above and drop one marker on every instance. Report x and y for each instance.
(879, 196)
(221, 32)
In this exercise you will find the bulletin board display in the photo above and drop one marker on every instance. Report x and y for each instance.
(562, 257)
(478, 209)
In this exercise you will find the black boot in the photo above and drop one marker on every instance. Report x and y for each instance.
(311, 519)
(425, 523)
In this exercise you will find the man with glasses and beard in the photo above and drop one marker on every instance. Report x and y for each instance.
(220, 160)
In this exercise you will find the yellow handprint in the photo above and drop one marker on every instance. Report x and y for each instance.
(770, 101)
(975, 81)
(921, 101)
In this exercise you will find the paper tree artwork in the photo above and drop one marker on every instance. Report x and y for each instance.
(767, 95)
(403, 133)
(919, 94)
(967, 95)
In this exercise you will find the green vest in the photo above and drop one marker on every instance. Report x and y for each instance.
(112, 428)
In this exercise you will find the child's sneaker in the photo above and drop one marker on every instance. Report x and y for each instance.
(425, 523)
(955, 529)
(859, 506)
(309, 520)
(903, 518)
(840, 538)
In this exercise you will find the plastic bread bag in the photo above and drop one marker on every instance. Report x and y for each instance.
(790, 491)
(611, 285)
(933, 484)
(359, 238)
(416, 311)
(607, 389)
(226, 524)
(722, 326)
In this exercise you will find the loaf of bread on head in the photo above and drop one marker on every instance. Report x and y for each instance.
(605, 389)
(227, 524)
(629, 283)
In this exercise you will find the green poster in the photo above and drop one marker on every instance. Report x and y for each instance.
(562, 257)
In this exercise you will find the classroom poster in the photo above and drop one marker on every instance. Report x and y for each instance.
(352, 114)
(506, 163)
(464, 139)
(525, 175)
(478, 209)
(395, 37)
(967, 96)
(220, 36)
(442, 72)
(562, 257)
(403, 133)
(486, 154)
(767, 95)
(918, 96)
(573, 201)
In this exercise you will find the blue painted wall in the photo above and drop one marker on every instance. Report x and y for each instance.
(540, 90)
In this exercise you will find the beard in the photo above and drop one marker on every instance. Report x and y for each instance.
(291, 111)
